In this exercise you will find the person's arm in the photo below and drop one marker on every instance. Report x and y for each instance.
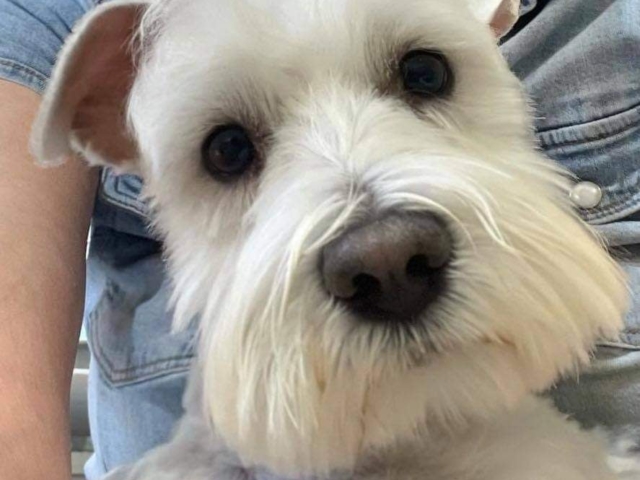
(44, 220)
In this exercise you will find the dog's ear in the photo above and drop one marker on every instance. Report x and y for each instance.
(500, 15)
(84, 108)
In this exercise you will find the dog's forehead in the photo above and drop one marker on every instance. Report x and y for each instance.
(259, 62)
(280, 28)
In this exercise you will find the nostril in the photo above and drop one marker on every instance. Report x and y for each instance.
(367, 286)
(418, 267)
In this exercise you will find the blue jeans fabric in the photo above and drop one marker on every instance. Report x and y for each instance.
(579, 61)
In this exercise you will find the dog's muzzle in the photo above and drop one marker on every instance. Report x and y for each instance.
(390, 268)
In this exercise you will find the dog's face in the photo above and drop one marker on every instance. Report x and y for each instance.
(352, 203)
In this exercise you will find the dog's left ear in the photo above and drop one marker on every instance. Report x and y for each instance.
(500, 15)
(84, 108)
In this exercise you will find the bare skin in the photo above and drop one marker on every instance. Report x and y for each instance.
(44, 220)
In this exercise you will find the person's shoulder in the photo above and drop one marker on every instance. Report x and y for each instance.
(31, 34)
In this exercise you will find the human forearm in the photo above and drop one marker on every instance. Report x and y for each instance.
(44, 215)
(35, 362)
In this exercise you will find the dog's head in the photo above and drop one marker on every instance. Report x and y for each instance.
(351, 201)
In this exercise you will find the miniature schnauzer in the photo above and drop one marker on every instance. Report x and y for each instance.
(385, 270)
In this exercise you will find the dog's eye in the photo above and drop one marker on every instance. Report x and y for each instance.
(227, 152)
(426, 73)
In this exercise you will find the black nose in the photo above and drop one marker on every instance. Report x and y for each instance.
(390, 268)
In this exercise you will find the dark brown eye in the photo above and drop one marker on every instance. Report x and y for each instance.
(426, 73)
(227, 152)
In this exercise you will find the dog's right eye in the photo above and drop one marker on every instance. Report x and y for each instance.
(227, 152)
(426, 73)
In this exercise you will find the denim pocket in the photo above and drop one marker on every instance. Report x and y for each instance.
(606, 152)
(123, 191)
(129, 323)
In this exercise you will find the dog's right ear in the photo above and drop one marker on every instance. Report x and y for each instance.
(500, 15)
(84, 108)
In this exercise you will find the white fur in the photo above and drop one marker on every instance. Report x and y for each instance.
(291, 381)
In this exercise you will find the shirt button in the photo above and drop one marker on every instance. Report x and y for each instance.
(586, 194)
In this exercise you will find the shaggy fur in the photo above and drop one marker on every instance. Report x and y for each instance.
(288, 382)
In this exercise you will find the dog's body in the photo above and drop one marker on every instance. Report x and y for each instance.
(533, 442)
(385, 269)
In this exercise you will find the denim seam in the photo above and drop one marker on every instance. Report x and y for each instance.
(143, 373)
(27, 73)
(620, 344)
(176, 359)
(609, 213)
(608, 126)
(619, 198)
(602, 219)
(113, 200)
(622, 111)
(117, 186)
(146, 378)
(132, 199)
(139, 373)
(134, 205)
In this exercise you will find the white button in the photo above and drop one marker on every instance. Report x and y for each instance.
(586, 194)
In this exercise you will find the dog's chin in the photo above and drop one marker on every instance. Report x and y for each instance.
(355, 412)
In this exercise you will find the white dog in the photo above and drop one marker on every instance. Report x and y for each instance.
(385, 269)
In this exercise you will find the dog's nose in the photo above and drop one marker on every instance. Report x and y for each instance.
(390, 268)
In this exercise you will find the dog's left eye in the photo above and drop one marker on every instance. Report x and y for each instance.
(227, 152)
(426, 73)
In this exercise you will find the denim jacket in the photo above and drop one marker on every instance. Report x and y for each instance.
(580, 63)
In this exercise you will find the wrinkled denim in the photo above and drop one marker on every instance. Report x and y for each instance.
(580, 63)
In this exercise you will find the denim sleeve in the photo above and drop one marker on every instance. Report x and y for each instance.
(31, 35)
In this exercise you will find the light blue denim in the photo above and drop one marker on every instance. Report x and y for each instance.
(580, 62)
